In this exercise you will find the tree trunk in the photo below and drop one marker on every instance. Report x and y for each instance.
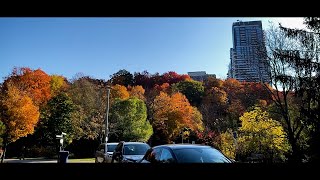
(5, 143)
(295, 157)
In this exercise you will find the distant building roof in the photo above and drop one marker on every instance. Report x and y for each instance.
(197, 73)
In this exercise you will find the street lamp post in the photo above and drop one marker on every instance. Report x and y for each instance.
(107, 115)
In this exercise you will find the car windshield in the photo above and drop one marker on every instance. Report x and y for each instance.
(111, 147)
(135, 149)
(200, 155)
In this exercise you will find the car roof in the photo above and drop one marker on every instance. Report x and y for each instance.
(183, 146)
(112, 143)
(134, 143)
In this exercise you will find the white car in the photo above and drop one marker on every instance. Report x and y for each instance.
(102, 156)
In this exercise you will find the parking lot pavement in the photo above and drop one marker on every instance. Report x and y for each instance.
(43, 160)
(31, 160)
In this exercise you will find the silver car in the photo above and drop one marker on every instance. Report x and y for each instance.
(102, 156)
(129, 152)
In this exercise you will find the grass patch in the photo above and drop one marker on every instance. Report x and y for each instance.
(84, 160)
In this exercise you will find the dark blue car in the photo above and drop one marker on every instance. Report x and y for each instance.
(184, 153)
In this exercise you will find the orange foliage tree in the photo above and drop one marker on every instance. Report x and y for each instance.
(137, 91)
(36, 83)
(175, 112)
(18, 114)
(119, 91)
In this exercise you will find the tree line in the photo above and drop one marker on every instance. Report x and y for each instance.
(278, 120)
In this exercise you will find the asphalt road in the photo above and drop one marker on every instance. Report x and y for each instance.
(31, 160)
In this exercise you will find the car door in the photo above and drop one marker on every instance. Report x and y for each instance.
(167, 156)
(152, 156)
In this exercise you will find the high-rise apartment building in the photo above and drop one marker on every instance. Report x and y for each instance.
(247, 56)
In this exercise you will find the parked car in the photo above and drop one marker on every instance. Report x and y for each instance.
(129, 152)
(101, 156)
(184, 153)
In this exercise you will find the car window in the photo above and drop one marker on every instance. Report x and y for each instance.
(135, 149)
(154, 156)
(200, 155)
(111, 147)
(166, 156)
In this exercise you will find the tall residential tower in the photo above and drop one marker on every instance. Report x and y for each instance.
(247, 57)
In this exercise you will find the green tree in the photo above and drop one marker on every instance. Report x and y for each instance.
(128, 120)
(56, 118)
(2, 130)
(293, 61)
(304, 62)
(262, 135)
(193, 90)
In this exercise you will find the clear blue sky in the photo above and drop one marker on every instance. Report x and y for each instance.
(99, 47)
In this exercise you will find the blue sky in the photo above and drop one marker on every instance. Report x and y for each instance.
(99, 47)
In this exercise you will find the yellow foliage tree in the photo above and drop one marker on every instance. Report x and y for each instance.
(228, 144)
(262, 135)
(57, 83)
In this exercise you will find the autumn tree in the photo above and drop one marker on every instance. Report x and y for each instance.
(149, 81)
(119, 91)
(260, 134)
(172, 77)
(90, 107)
(58, 83)
(193, 90)
(213, 109)
(128, 120)
(137, 91)
(228, 144)
(35, 83)
(212, 82)
(122, 77)
(18, 114)
(208, 137)
(175, 113)
(233, 88)
(165, 87)
(143, 79)
(253, 92)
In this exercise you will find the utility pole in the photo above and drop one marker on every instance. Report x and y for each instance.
(107, 115)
